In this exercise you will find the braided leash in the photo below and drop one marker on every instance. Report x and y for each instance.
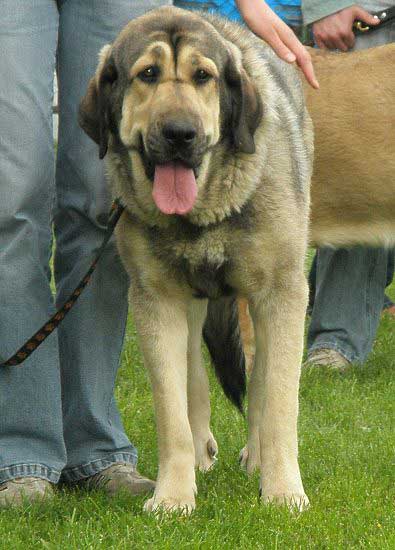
(42, 334)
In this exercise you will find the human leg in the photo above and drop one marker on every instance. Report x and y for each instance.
(313, 275)
(91, 337)
(348, 300)
(31, 431)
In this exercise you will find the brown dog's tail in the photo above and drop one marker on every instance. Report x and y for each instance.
(221, 334)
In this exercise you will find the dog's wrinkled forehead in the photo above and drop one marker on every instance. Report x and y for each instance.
(179, 37)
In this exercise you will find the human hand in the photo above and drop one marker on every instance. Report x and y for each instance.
(335, 31)
(268, 26)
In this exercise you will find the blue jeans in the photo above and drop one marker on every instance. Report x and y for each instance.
(57, 411)
(350, 283)
(348, 300)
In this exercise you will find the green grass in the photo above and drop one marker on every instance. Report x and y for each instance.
(347, 459)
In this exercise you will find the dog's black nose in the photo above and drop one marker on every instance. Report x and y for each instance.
(178, 133)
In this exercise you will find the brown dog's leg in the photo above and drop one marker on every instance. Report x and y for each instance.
(162, 327)
(198, 390)
(247, 333)
(279, 320)
(250, 456)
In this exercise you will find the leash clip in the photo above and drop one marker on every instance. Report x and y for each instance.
(361, 27)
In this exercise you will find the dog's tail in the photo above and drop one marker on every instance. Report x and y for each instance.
(221, 334)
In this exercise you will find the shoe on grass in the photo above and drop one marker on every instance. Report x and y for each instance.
(389, 310)
(24, 490)
(118, 477)
(326, 357)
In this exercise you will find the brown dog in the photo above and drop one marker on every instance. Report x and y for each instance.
(209, 146)
(353, 184)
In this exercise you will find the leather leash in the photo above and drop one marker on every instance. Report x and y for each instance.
(386, 16)
(42, 334)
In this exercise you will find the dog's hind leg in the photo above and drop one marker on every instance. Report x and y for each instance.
(250, 455)
(161, 323)
(198, 390)
(278, 322)
(247, 334)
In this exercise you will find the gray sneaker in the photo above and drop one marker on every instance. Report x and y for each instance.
(24, 490)
(118, 477)
(327, 358)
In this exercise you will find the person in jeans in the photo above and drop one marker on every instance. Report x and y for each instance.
(58, 415)
(349, 283)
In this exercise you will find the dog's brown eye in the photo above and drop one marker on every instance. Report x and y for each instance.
(150, 74)
(201, 76)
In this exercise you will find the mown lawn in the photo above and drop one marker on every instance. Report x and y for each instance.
(347, 444)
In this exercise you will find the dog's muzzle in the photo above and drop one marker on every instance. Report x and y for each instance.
(176, 139)
(179, 135)
(174, 151)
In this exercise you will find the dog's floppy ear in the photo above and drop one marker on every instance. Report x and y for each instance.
(246, 107)
(94, 110)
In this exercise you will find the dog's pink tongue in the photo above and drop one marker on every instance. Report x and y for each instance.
(175, 188)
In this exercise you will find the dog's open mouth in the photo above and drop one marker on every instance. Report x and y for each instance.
(175, 188)
(174, 183)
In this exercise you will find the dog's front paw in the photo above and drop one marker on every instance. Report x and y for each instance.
(294, 501)
(249, 460)
(205, 453)
(169, 504)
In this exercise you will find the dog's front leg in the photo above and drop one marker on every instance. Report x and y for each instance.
(279, 320)
(198, 390)
(163, 331)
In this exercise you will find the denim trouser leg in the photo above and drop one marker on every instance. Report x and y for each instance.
(348, 301)
(313, 276)
(90, 339)
(31, 438)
